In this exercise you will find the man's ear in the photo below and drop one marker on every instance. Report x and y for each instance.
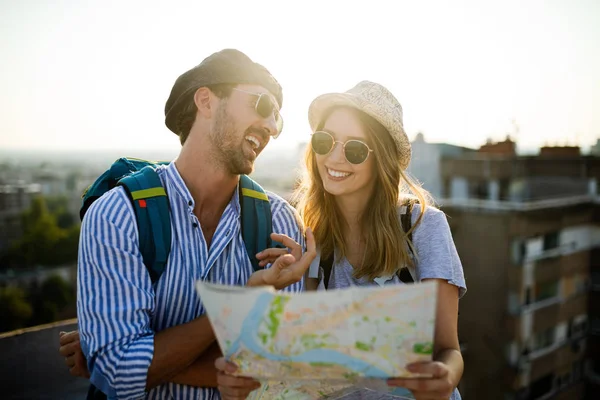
(202, 98)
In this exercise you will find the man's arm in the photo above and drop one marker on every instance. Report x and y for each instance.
(201, 372)
(115, 300)
(178, 347)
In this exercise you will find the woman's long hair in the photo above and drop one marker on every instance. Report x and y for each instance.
(387, 245)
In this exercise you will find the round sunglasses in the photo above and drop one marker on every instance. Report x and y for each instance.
(355, 151)
(265, 108)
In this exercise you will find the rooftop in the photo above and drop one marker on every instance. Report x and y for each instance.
(32, 368)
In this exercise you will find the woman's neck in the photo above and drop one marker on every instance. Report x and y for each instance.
(352, 209)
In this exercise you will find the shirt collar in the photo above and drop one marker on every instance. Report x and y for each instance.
(178, 185)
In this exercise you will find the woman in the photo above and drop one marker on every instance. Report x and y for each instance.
(354, 190)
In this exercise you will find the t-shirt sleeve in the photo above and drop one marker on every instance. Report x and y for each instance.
(437, 257)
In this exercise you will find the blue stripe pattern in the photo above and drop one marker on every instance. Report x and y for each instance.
(117, 307)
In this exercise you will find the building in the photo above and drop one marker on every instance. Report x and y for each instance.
(595, 148)
(506, 148)
(528, 233)
(425, 162)
(14, 199)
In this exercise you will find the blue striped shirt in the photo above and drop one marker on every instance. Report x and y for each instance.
(117, 307)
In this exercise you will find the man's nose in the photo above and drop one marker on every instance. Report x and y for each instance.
(269, 125)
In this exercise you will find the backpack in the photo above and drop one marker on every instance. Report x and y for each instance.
(403, 274)
(150, 201)
(153, 216)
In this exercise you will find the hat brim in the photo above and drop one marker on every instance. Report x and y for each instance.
(324, 102)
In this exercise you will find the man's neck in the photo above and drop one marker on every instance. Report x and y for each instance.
(210, 185)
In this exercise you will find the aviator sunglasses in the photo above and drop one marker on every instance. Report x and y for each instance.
(355, 151)
(265, 108)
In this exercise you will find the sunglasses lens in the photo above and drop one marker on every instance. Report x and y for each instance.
(321, 143)
(265, 108)
(356, 152)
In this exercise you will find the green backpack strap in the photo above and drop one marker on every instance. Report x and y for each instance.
(405, 221)
(256, 219)
(151, 205)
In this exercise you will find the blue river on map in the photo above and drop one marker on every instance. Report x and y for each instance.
(248, 338)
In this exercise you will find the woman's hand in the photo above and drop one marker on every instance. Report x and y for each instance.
(438, 387)
(233, 387)
(70, 349)
(288, 264)
(447, 368)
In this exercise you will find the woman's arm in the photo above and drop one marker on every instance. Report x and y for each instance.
(447, 366)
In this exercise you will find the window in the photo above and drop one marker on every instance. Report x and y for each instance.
(479, 190)
(578, 326)
(550, 241)
(546, 290)
(544, 339)
(519, 251)
(514, 303)
(577, 370)
(580, 283)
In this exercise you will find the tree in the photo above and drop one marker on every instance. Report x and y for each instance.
(43, 242)
(50, 298)
(41, 234)
(15, 311)
(59, 207)
(56, 290)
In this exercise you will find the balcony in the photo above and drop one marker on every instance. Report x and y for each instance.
(562, 251)
(520, 206)
(551, 311)
(559, 353)
(566, 392)
(552, 268)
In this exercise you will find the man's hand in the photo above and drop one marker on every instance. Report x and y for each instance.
(288, 265)
(233, 387)
(70, 349)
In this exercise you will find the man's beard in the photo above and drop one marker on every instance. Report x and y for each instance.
(228, 146)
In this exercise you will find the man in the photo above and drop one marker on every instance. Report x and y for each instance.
(156, 342)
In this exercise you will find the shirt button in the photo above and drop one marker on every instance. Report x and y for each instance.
(190, 203)
(195, 224)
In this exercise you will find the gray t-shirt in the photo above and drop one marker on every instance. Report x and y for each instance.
(437, 258)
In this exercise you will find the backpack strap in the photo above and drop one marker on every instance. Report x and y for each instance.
(256, 220)
(406, 222)
(327, 265)
(151, 205)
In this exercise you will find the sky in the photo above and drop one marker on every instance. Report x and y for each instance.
(95, 75)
